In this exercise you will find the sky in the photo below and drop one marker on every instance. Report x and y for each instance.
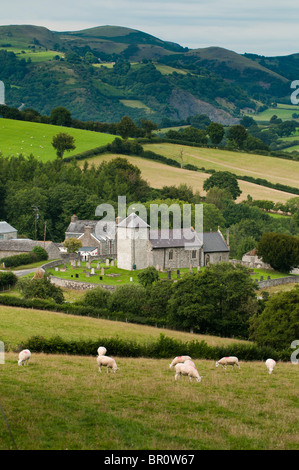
(265, 27)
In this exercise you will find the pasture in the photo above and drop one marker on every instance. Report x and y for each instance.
(19, 324)
(159, 175)
(22, 137)
(282, 111)
(63, 402)
(275, 170)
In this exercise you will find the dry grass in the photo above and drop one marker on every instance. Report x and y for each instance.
(159, 175)
(61, 402)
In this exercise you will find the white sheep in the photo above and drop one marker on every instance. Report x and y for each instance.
(228, 361)
(107, 362)
(24, 357)
(178, 360)
(102, 351)
(270, 364)
(187, 369)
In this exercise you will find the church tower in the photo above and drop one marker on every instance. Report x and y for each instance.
(132, 243)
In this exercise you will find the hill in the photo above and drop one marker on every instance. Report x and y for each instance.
(107, 72)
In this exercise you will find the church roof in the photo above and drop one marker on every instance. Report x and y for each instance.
(174, 238)
(214, 242)
(133, 221)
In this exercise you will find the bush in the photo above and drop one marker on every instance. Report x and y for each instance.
(41, 289)
(130, 298)
(41, 253)
(7, 280)
(163, 347)
(37, 254)
(97, 297)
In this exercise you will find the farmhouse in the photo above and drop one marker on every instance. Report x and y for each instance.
(19, 246)
(139, 247)
(87, 231)
(7, 231)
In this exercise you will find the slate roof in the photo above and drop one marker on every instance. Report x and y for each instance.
(214, 242)
(174, 238)
(77, 228)
(6, 228)
(23, 244)
(133, 221)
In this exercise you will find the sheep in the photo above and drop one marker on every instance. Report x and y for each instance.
(187, 369)
(24, 357)
(228, 361)
(102, 351)
(179, 359)
(270, 364)
(108, 362)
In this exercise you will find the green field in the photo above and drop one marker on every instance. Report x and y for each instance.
(22, 137)
(63, 402)
(17, 326)
(282, 111)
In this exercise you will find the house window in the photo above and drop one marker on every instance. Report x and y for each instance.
(171, 254)
(1, 237)
(194, 254)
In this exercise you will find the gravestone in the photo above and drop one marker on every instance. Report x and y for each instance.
(169, 274)
(79, 263)
(88, 265)
(56, 269)
(157, 267)
(77, 275)
(87, 274)
(98, 266)
(262, 278)
(112, 263)
(107, 262)
(102, 271)
(178, 274)
(92, 272)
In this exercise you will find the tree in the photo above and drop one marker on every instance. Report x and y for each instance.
(278, 324)
(148, 276)
(41, 288)
(72, 244)
(127, 128)
(215, 132)
(280, 250)
(218, 300)
(97, 297)
(224, 180)
(63, 142)
(148, 127)
(237, 134)
(60, 116)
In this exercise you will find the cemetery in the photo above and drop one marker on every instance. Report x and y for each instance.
(107, 273)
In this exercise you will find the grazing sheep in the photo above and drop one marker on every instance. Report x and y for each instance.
(228, 361)
(270, 364)
(189, 363)
(187, 369)
(108, 362)
(102, 351)
(179, 359)
(24, 357)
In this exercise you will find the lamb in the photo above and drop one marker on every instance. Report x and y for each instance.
(24, 357)
(108, 362)
(187, 369)
(228, 361)
(270, 364)
(179, 359)
(102, 351)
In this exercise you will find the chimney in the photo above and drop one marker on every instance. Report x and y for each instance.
(87, 230)
(227, 237)
(74, 218)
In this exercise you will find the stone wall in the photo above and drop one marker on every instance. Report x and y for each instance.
(277, 282)
(78, 285)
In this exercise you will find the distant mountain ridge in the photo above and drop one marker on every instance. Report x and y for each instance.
(145, 76)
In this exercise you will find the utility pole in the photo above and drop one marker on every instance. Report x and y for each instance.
(181, 155)
(45, 229)
(36, 216)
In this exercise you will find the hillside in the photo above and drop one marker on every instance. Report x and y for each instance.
(107, 72)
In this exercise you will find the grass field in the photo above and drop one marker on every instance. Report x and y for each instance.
(159, 175)
(275, 170)
(19, 324)
(63, 402)
(21, 137)
(282, 111)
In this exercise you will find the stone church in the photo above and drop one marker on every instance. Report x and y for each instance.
(136, 246)
(139, 247)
